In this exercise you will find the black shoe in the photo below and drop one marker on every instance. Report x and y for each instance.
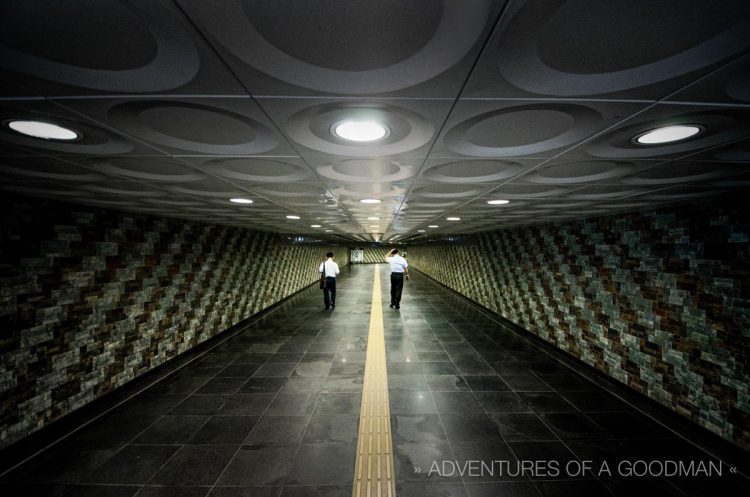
(391, 306)
(398, 307)
(327, 308)
(333, 306)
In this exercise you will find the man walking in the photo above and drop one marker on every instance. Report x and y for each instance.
(329, 270)
(399, 269)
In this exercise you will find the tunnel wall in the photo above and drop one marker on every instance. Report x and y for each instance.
(658, 300)
(375, 254)
(91, 298)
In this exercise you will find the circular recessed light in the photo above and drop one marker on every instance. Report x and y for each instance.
(241, 200)
(46, 131)
(498, 202)
(452, 218)
(315, 226)
(373, 218)
(370, 200)
(360, 131)
(292, 217)
(668, 134)
(433, 226)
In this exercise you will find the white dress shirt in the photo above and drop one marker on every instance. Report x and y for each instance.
(332, 269)
(398, 263)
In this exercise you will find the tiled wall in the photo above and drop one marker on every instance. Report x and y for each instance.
(659, 300)
(374, 255)
(91, 299)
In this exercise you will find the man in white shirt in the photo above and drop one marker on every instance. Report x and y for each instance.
(399, 269)
(329, 270)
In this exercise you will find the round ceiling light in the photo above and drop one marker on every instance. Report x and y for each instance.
(360, 131)
(370, 200)
(45, 131)
(241, 200)
(292, 217)
(498, 202)
(668, 134)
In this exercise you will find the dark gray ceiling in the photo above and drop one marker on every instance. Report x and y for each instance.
(183, 104)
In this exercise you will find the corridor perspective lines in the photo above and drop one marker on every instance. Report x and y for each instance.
(277, 411)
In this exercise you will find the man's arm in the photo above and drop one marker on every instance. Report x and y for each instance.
(389, 254)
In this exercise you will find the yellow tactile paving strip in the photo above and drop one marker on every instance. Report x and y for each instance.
(373, 470)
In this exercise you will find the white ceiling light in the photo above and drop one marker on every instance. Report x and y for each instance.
(453, 218)
(374, 226)
(329, 231)
(498, 202)
(241, 200)
(668, 134)
(46, 131)
(373, 218)
(292, 217)
(420, 231)
(433, 226)
(370, 200)
(315, 226)
(360, 131)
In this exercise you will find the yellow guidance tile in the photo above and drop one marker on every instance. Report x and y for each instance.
(373, 470)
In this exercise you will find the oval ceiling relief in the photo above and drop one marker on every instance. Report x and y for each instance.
(476, 171)
(313, 127)
(92, 140)
(366, 170)
(149, 169)
(540, 56)
(344, 51)
(718, 126)
(193, 127)
(578, 172)
(523, 130)
(446, 191)
(126, 48)
(257, 170)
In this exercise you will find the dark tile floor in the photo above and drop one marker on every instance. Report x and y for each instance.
(274, 411)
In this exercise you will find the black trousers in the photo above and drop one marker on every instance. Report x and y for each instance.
(329, 292)
(397, 285)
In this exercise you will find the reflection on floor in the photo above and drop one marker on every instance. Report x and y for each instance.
(275, 411)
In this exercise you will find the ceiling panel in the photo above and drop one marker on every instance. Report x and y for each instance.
(107, 47)
(641, 49)
(189, 126)
(418, 48)
(180, 105)
(525, 129)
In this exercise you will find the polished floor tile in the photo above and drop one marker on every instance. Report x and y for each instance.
(275, 411)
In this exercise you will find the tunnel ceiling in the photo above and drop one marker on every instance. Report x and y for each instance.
(177, 106)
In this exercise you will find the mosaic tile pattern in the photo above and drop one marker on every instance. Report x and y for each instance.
(658, 300)
(91, 299)
(375, 255)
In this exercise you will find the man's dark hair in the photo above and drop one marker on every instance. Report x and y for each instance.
(395, 251)
(329, 254)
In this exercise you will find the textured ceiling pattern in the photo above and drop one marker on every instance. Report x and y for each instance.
(181, 105)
